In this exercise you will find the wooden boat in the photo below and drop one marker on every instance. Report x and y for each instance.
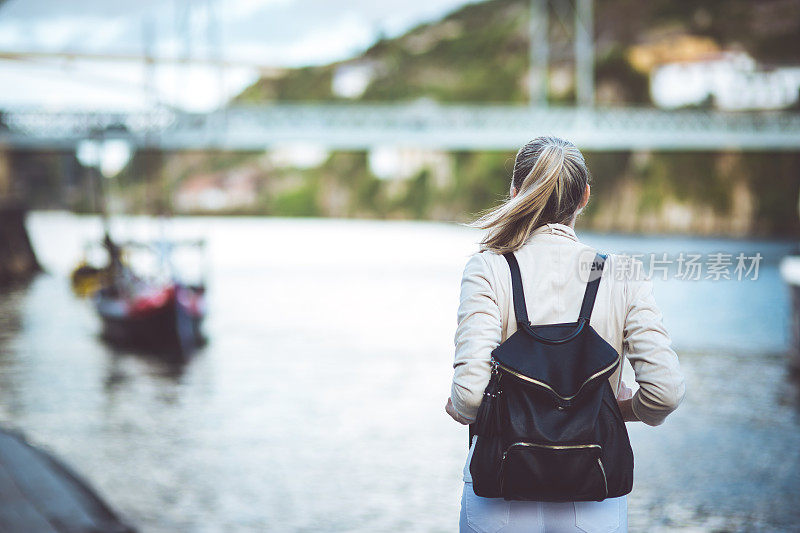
(87, 279)
(166, 319)
(94, 271)
(159, 312)
(790, 272)
(39, 494)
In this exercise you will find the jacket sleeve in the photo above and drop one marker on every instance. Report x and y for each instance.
(478, 333)
(648, 347)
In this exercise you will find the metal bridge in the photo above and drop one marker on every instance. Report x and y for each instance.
(445, 127)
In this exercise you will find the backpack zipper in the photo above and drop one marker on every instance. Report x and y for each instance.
(605, 481)
(554, 447)
(548, 387)
(550, 447)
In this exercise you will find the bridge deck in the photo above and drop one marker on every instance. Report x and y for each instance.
(452, 127)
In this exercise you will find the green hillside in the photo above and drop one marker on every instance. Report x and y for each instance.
(479, 53)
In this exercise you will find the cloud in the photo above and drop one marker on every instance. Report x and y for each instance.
(277, 33)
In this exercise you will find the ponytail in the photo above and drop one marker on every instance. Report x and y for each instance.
(550, 176)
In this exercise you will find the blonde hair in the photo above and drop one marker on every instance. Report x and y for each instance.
(550, 176)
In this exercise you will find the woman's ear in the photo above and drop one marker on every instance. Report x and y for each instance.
(586, 193)
(513, 192)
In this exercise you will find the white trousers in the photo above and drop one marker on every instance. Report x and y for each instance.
(492, 515)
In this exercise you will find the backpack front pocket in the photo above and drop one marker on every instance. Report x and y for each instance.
(545, 472)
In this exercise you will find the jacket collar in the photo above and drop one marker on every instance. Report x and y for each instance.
(555, 228)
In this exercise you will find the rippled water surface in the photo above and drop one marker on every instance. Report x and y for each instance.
(318, 403)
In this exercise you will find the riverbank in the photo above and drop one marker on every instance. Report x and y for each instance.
(17, 259)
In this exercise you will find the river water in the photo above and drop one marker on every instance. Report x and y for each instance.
(318, 403)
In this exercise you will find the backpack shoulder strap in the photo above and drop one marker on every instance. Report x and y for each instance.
(591, 287)
(520, 310)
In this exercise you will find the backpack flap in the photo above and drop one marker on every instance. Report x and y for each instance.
(563, 360)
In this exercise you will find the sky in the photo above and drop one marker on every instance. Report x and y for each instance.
(250, 33)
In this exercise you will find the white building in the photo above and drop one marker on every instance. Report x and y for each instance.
(401, 163)
(352, 79)
(297, 155)
(732, 79)
(216, 192)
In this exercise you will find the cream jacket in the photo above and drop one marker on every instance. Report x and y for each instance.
(625, 314)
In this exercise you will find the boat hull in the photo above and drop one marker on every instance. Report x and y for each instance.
(173, 327)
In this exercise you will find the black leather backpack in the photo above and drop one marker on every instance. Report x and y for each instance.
(549, 427)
